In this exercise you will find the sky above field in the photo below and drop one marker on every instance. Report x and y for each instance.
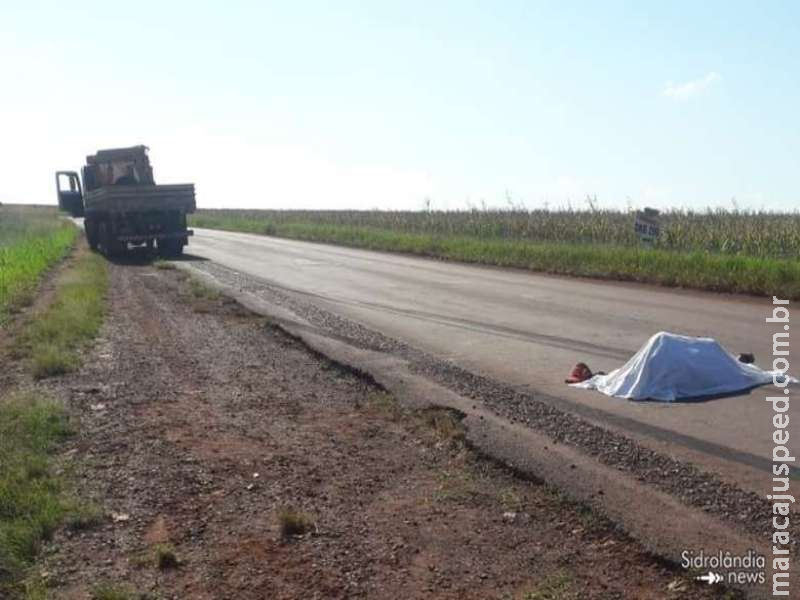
(384, 104)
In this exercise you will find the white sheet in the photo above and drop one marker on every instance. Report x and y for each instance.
(671, 366)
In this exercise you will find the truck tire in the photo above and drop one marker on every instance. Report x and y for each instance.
(91, 234)
(108, 245)
(170, 248)
(103, 238)
(118, 248)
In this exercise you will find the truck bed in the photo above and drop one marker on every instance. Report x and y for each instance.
(140, 198)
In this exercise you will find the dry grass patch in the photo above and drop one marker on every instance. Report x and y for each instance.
(446, 425)
(456, 484)
(166, 557)
(557, 586)
(200, 295)
(112, 591)
(294, 522)
(200, 290)
(511, 501)
(85, 515)
(385, 405)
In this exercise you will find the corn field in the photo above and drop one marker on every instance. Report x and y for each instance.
(750, 233)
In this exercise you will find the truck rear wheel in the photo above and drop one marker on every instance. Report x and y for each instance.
(103, 238)
(91, 233)
(170, 248)
(108, 245)
(117, 248)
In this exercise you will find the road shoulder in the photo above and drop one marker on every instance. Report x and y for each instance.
(234, 461)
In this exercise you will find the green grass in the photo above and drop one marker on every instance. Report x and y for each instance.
(32, 499)
(722, 271)
(557, 586)
(84, 516)
(112, 591)
(35, 588)
(201, 296)
(31, 240)
(201, 291)
(53, 339)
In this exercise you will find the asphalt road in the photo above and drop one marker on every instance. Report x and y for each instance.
(529, 330)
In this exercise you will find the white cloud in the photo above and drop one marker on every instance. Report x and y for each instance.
(687, 89)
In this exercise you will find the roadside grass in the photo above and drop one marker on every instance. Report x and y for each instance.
(163, 265)
(697, 269)
(446, 425)
(83, 516)
(510, 500)
(112, 591)
(200, 296)
(53, 339)
(32, 498)
(557, 586)
(35, 588)
(457, 484)
(31, 240)
(166, 557)
(201, 291)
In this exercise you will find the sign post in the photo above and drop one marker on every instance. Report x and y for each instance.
(647, 226)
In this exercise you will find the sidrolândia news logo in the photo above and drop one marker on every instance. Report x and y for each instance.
(726, 568)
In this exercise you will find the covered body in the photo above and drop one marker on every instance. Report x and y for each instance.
(670, 367)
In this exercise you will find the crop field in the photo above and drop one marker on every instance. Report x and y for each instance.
(31, 239)
(760, 234)
(727, 251)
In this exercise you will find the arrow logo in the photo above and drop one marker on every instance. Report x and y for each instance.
(711, 578)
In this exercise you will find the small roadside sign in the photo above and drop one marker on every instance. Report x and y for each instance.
(646, 225)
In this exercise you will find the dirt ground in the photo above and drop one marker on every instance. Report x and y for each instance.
(200, 425)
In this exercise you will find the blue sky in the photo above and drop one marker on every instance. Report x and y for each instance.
(380, 105)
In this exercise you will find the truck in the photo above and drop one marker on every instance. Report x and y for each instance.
(122, 205)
